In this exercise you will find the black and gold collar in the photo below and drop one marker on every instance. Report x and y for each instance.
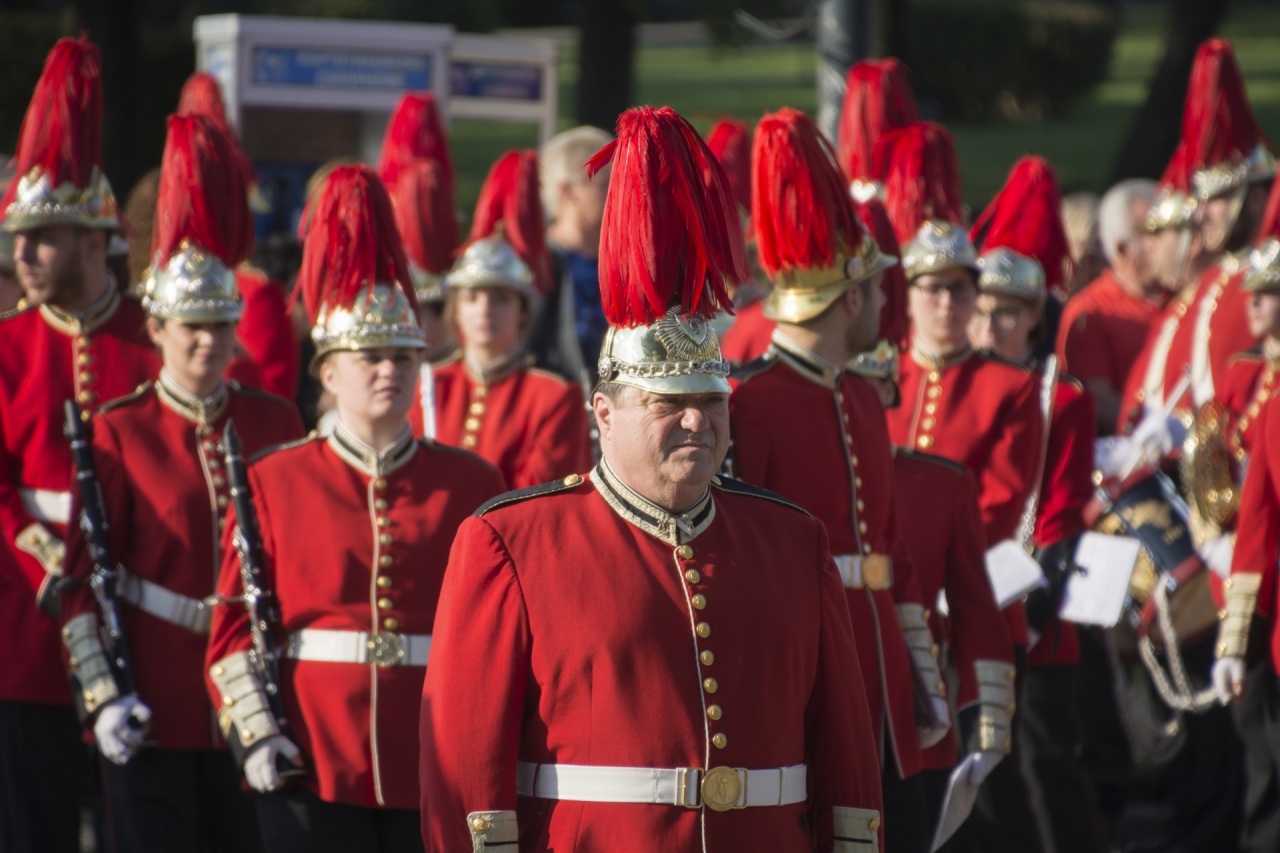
(200, 410)
(930, 360)
(86, 321)
(364, 458)
(652, 519)
(806, 362)
(496, 370)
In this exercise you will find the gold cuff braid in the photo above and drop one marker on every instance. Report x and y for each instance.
(1234, 619)
(923, 650)
(89, 661)
(244, 701)
(996, 705)
(856, 830)
(493, 831)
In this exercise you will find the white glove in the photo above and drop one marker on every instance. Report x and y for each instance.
(983, 764)
(1216, 554)
(1160, 435)
(121, 728)
(260, 767)
(1227, 676)
(934, 734)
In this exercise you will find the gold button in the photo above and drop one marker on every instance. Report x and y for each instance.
(384, 582)
(480, 392)
(468, 441)
(839, 397)
(715, 481)
(222, 522)
(710, 685)
(386, 560)
(703, 629)
(209, 446)
(1007, 745)
(217, 671)
(480, 824)
(572, 480)
(866, 547)
(699, 602)
(214, 462)
(924, 441)
(861, 506)
(84, 358)
(380, 484)
(930, 408)
(84, 416)
(685, 552)
(383, 521)
(204, 429)
(933, 650)
(391, 623)
(707, 658)
(384, 603)
(857, 482)
(941, 687)
(477, 408)
(85, 377)
(1011, 675)
(222, 501)
(927, 614)
(848, 439)
(845, 416)
(1010, 708)
(471, 424)
(82, 341)
(720, 740)
(934, 392)
(854, 461)
(379, 504)
(714, 712)
(384, 539)
(219, 481)
(873, 824)
(692, 576)
(86, 397)
(927, 423)
(862, 527)
(934, 376)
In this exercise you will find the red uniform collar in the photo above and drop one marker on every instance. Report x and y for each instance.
(200, 410)
(86, 321)
(364, 458)
(806, 362)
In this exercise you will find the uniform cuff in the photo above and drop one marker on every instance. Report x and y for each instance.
(47, 549)
(996, 705)
(923, 650)
(244, 701)
(1235, 619)
(493, 831)
(89, 663)
(856, 830)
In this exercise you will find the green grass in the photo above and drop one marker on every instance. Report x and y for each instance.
(705, 85)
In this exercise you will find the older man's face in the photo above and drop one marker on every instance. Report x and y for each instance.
(680, 438)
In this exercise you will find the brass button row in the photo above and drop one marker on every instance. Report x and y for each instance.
(705, 657)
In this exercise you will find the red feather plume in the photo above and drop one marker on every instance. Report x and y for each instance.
(61, 133)
(202, 196)
(1026, 216)
(670, 236)
(801, 211)
(893, 317)
(415, 132)
(510, 197)
(877, 99)
(730, 141)
(202, 96)
(351, 241)
(921, 175)
(424, 214)
(1271, 217)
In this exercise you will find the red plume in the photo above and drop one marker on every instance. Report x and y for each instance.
(801, 211)
(61, 133)
(893, 317)
(730, 141)
(415, 132)
(1271, 218)
(877, 99)
(670, 236)
(202, 195)
(202, 96)
(1217, 121)
(510, 197)
(1026, 216)
(921, 176)
(351, 241)
(424, 213)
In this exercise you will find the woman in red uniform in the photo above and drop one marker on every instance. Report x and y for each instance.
(529, 423)
(162, 482)
(356, 530)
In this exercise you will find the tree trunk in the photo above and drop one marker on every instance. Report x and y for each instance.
(1157, 126)
(605, 55)
(113, 25)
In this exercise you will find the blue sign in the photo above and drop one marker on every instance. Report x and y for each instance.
(495, 80)
(341, 69)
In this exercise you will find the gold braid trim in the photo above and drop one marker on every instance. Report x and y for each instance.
(1234, 619)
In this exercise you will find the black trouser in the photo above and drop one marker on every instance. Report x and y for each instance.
(41, 762)
(1257, 720)
(907, 825)
(179, 800)
(298, 821)
(1049, 733)
(1003, 820)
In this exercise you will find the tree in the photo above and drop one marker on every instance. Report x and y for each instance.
(606, 48)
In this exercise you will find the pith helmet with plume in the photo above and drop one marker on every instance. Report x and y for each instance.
(877, 99)
(1022, 242)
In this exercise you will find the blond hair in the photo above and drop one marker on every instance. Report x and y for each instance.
(561, 159)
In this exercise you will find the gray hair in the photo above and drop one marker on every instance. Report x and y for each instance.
(1116, 222)
(561, 159)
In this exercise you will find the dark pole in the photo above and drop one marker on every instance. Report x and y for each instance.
(844, 37)
(605, 49)
(113, 26)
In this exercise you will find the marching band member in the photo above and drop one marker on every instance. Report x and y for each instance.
(1024, 253)
(158, 463)
(797, 416)
(79, 338)
(355, 531)
(717, 702)
(530, 423)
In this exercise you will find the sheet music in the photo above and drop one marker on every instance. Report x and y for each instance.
(1096, 595)
(1012, 572)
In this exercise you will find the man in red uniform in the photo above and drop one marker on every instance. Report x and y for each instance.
(166, 495)
(531, 424)
(1103, 327)
(355, 529)
(78, 338)
(1025, 253)
(798, 416)
(703, 691)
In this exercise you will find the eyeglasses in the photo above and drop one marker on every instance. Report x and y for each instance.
(1004, 319)
(961, 292)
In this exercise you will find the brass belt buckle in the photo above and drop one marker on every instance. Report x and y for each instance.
(723, 787)
(386, 648)
(877, 572)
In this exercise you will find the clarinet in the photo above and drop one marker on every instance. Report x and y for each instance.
(258, 598)
(93, 521)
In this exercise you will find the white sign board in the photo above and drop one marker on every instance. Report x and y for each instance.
(500, 78)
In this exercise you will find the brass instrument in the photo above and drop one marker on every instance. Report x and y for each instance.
(1208, 468)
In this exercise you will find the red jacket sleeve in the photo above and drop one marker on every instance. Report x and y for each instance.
(1257, 543)
(1006, 478)
(267, 332)
(559, 445)
(14, 519)
(1067, 483)
(471, 737)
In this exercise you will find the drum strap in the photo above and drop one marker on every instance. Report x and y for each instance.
(1048, 386)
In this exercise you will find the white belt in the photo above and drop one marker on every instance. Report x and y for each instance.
(852, 572)
(720, 788)
(383, 648)
(193, 614)
(46, 505)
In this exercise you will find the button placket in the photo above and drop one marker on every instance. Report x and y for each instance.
(475, 416)
(851, 459)
(698, 601)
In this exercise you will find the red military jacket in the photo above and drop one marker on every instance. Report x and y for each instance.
(46, 358)
(1066, 486)
(749, 336)
(1257, 548)
(158, 460)
(981, 411)
(267, 331)
(1249, 383)
(354, 541)
(815, 434)
(1214, 328)
(946, 548)
(1147, 378)
(1229, 324)
(531, 424)
(581, 624)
